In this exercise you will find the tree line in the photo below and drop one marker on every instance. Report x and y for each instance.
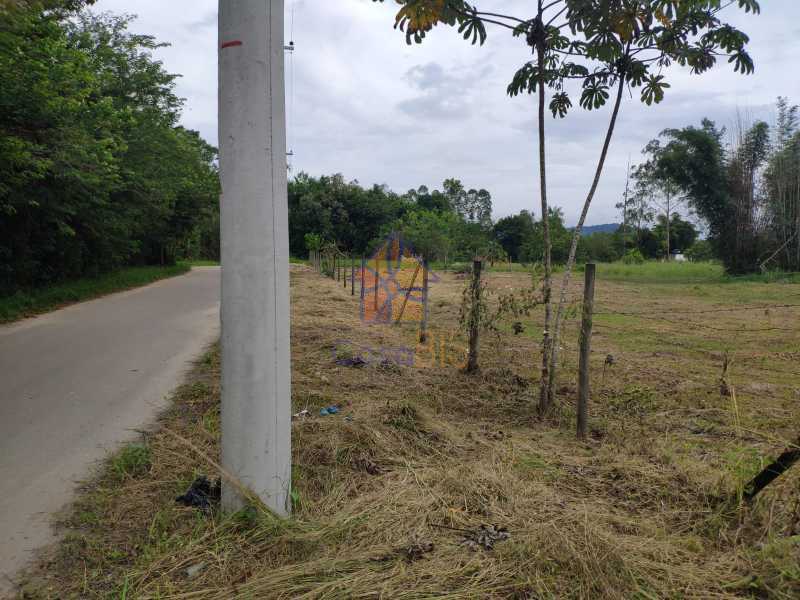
(744, 185)
(95, 170)
(453, 224)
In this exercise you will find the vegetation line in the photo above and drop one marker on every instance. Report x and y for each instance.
(34, 302)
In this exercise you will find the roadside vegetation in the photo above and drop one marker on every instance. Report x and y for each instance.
(96, 173)
(386, 491)
(33, 302)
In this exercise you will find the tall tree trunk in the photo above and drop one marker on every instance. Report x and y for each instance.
(576, 238)
(669, 249)
(625, 209)
(545, 399)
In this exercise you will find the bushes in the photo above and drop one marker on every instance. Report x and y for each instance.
(95, 174)
(633, 257)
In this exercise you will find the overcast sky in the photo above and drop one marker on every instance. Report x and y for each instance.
(364, 104)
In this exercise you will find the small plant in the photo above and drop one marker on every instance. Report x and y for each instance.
(633, 257)
(633, 401)
(132, 461)
(404, 417)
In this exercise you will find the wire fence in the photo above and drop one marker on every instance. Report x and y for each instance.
(680, 323)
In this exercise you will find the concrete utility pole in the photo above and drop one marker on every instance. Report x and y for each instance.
(256, 406)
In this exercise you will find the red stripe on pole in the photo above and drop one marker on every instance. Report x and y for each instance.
(231, 44)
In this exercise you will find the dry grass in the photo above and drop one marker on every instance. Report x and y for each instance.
(647, 509)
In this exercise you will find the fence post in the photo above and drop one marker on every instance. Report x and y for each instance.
(474, 317)
(585, 351)
(352, 275)
(344, 272)
(363, 271)
(423, 329)
(377, 279)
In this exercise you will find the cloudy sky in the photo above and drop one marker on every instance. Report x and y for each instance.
(364, 104)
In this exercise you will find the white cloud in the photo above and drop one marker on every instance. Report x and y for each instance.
(371, 107)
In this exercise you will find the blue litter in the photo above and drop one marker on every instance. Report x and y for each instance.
(333, 410)
(324, 412)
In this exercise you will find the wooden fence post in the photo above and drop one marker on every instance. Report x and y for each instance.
(377, 279)
(584, 382)
(363, 271)
(423, 329)
(344, 271)
(352, 275)
(474, 317)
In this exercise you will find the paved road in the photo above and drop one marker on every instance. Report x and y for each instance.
(73, 383)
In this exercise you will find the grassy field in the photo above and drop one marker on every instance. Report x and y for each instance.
(676, 272)
(33, 302)
(386, 491)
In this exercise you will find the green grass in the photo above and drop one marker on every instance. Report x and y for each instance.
(663, 272)
(131, 461)
(33, 302)
(203, 263)
(687, 272)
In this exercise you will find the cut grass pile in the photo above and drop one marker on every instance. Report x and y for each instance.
(383, 491)
(33, 302)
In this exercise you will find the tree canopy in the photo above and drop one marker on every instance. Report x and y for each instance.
(95, 170)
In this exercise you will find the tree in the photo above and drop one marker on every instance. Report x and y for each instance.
(625, 207)
(430, 233)
(512, 233)
(601, 247)
(782, 179)
(340, 210)
(602, 45)
(744, 168)
(694, 160)
(478, 208)
(558, 235)
(675, 234)
(95, 173)
(435, 200)
(493, 252)
(657, 193)
(725, 189)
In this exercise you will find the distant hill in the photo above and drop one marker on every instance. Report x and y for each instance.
(607, 228)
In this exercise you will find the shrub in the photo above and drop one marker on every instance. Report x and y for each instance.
(633, 257)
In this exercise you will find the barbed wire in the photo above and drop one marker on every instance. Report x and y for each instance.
(697, 312)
